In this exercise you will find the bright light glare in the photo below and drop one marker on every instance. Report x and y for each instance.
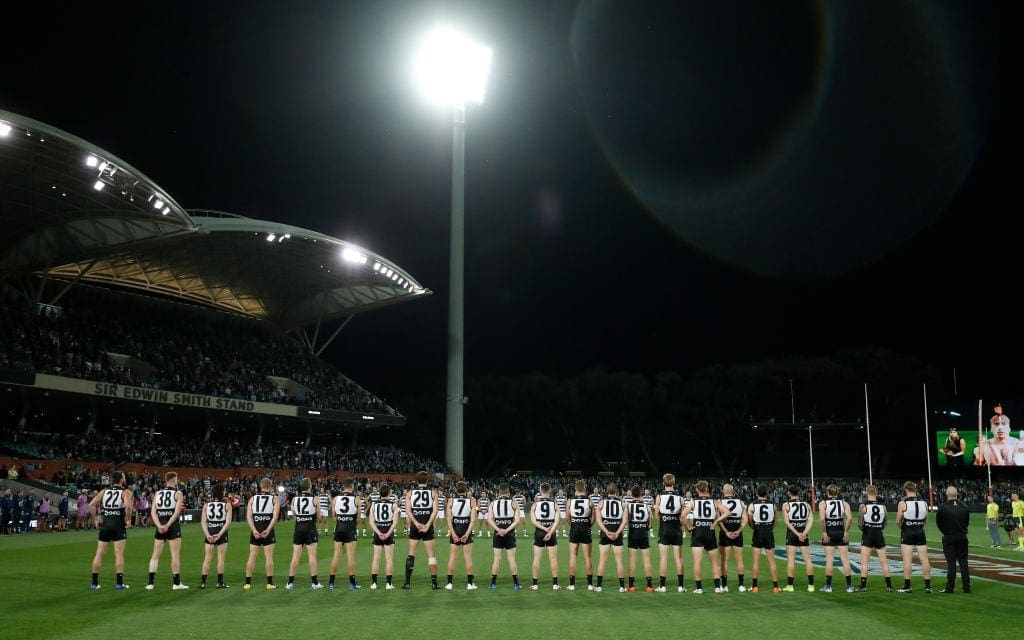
(5, 129)
(98, 186)
(451, 69)
(91, 161)
(351, 255)
(270, 238)
(159, 204)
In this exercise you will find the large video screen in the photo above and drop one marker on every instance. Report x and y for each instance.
(1000, 443)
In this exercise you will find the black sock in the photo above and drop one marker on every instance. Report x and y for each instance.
(95, 578)
(535, 582)
(739, 576)
(373, 578)
(849, 580)
(753, 582)
(699, 584)
(248, 579)
(572, 581)
(590, 579)
(351, 578)
(330, 579)
(120, 578)
(906, 583)
(789, 580)
(554, 580)
(632, 581)
(313, 579)
(622, 583)
(888, 581)
(600, 581)
(680, 578)
(724, 579)
(515, 578)
(450, 577)
(202, 579)
(177, 578)
(810, 579)
(661, 581)
(718, 583)
(270, 579)
(650, 581)
(387, 578)
(291, 579)
(927, 583)
(220, 578)
(433, 579)
(410, 561)
(469, 578)
(152, 576)
(494, 578)
(775, 584)
(828, 581)
(863, 582)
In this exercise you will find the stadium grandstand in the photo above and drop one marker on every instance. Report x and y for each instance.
(125, 317)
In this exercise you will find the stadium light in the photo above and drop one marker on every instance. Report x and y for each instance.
(159, 204)
(452, 70)
(5, 129)
(91, 161)
(270, 237)
(348, 254)
(98, 185)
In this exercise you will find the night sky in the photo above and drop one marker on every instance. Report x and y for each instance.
(650, 186)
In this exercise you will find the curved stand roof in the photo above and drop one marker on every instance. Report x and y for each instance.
(73, 211)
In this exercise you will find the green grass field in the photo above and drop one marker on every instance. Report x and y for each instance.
(44, 591)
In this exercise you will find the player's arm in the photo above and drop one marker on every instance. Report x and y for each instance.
(273, 519)
(515, 519)
(860, 516)
(557, 518)
(228, 516)
(533, 519)
(433, 511)
(152, 511)
(490, 517)
(93, 504)
(373, 525)
(722, 512)
(847, 521)
(248, 514)
(127, 497)
(900, 510)
(203, 524)
(745, 518)
(685, 511)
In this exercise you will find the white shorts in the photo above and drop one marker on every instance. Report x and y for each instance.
(522, 514)
(481, 516)
(561, 514)
(440, 514)
(323, 513)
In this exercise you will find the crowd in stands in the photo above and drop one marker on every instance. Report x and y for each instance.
(181, 348)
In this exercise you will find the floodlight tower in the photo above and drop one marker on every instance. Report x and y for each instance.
(452, 70)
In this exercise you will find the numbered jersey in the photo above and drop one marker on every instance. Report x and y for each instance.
(304, 508)
(483, 505)
(735, 507)
(166, 503)
(580, 510)
(914, 514)
(704, 513)
(112, 506)
(670, 504)
(442, 502)
(216, 515)
(595, 499)
(262, 510)
(560, 501)
(798, 512)
(639, 516)
(835, 513)
(611, 512)
(503, 510)
(421, 501)
(346, 510)
(374, 497)
(461, 509)
(383, 513)
(544, 512)
(874, 515)
(325, 503)
(520, 501)
(762, 513)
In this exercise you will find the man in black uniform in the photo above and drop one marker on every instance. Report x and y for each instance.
(708, 513)
(216, 520)
(730, 536)
(168, 503)
(640, 517)
(383, 523)
(953, 519)
(581, 526)
(834, 513)
(422, 511)
(872, 525)
(544, 516)
(347, 507)
(503, 518)
(115, 505)
(611, 520)
(761, 516)
(796, 513)
(667, 508)
(262, 514)
(462, 510)
(911, 516)
(305, 507)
